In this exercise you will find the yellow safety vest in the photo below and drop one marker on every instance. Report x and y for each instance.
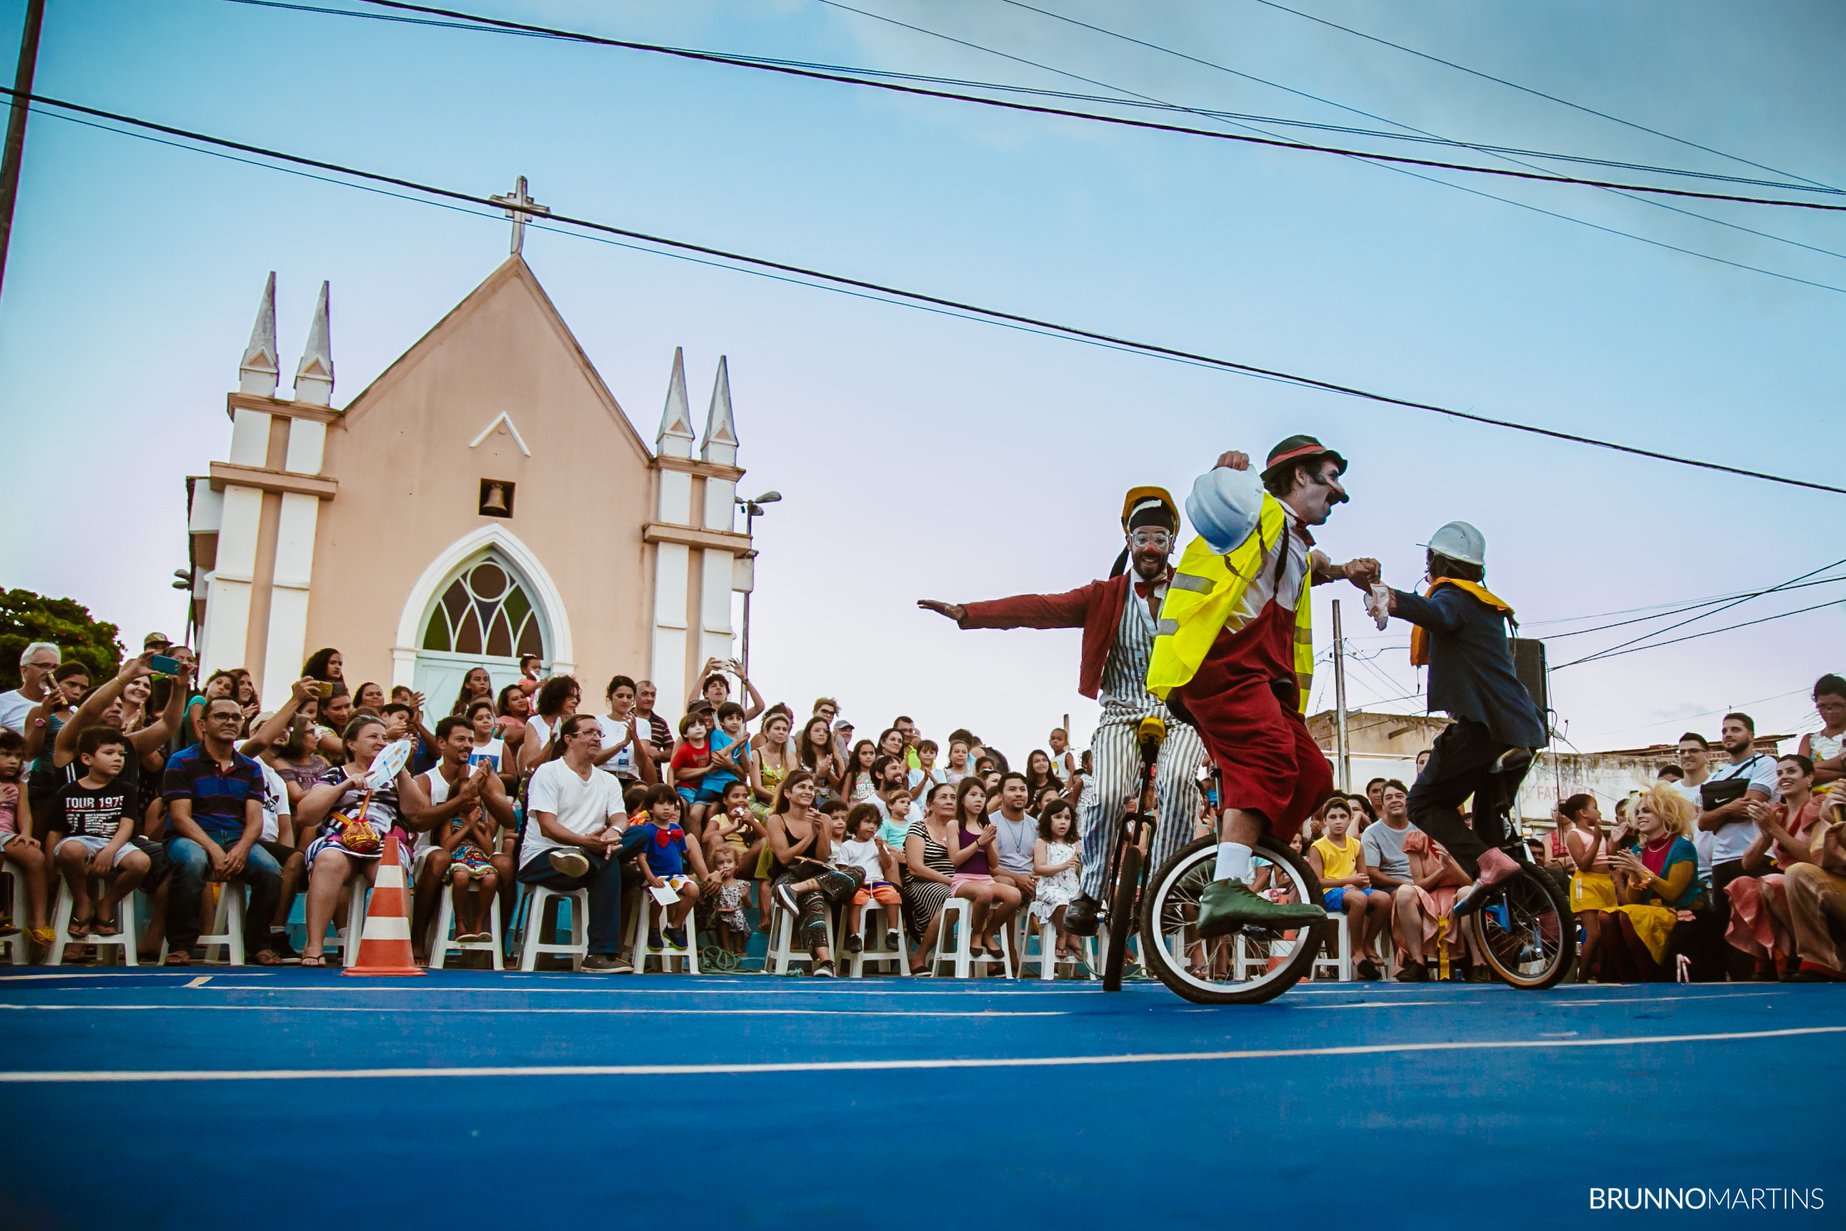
(1203, 595)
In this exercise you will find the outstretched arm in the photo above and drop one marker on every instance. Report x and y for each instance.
(1067, 610)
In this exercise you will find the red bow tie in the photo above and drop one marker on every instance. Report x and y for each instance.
(1146, 588)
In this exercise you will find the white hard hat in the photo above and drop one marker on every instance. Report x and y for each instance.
(1460, 541)
(1224, 506)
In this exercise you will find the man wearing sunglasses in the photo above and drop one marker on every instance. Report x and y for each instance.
(1118, 618)
(1234, 656)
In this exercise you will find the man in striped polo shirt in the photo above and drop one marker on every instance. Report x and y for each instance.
(214, 797)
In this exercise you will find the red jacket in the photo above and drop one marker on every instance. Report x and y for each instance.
(1096, 608)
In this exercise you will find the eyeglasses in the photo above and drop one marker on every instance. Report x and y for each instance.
(1151, 538)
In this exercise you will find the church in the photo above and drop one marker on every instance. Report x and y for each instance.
(484, 498)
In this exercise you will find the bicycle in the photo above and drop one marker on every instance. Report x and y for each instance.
(1248, 966)
(1126, 874)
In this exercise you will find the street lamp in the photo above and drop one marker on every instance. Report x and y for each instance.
(753, 509)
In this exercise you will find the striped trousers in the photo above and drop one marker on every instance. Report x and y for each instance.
(1115, 783)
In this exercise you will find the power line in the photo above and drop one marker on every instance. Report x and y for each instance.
(1223, 68)
(1411, 137)
(1536, 92)
(1621, 647)
(1661, 615)
(941, 302)
(1096, 117)
(1710, 632)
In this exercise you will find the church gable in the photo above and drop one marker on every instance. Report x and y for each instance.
(503, 350)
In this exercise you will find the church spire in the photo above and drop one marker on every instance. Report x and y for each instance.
(675, 438)
(314, 378)
(259, 371)
(720, 429)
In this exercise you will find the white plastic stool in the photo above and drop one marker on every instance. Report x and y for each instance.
(666, 954)
(958, 916)
(537, 898)
(350, 936)
(445, 941)
(123, 940)
(227, 926)
(1039, 947)
(878, 954)
(1341, 963)
(782, 951)
(18, 946)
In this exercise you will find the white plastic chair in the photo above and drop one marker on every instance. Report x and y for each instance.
(18, 946)
(877, 954)
(645, 919)
(782, 951)
(123, 940)
(1039, 946)
(956, 920)
(1340, 962)
(534, 903)
(445, 942)
(227, 926)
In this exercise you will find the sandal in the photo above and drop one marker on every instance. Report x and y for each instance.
(43, 936)
(266, 957)
(179, 957)
(80, 927)
(311, 961)
(101, 926)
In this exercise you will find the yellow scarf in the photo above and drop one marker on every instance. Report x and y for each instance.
(1419, 636)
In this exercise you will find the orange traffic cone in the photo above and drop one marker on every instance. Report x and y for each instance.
(384, 946)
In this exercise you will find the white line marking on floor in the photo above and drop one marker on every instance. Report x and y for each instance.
(201, 981)
(617, 985)
(134, 972)
(335, 1008)
(93, 1077)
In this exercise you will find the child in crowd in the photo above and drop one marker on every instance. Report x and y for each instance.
(728, 897)
(92, 820)
(927, 774)
(1055, 859)
(730, 755)
(662, 860)
(958, 761)
(862, 848)
(734, 825)
(17, 845)
(471, 840)
(691, 763)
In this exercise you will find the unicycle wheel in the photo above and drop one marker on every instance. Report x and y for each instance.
(1246, 967)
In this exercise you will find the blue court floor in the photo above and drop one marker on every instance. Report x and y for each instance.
(287, 1098)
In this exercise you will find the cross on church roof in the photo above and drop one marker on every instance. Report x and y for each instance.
(517, 205)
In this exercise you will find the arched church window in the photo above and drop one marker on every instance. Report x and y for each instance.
(484, 611)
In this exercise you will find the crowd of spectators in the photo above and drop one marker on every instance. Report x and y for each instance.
(735, 813)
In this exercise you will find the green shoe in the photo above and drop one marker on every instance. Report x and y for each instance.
(1227, 905)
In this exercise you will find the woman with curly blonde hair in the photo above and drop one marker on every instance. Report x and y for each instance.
(1655, 878)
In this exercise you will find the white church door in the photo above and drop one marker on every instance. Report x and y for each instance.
(484, 617)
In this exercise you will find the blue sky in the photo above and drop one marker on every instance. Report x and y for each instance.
(922, 455)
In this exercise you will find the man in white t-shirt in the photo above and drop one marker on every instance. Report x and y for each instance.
(577, 837)
(1730, 822)
(1694, 760)
(36, 663)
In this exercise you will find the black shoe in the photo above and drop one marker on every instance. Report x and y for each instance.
(1413, 972)
(784, 894)
(607, 964)
(1080, 915)
(855, 943)
(894, 941)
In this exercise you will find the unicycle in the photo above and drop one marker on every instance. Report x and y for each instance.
(1523, 927)
(1127, 871)
(1247, 966)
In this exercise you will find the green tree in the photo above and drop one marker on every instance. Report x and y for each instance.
(26, 617)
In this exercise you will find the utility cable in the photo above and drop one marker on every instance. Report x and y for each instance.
(1424, 55)
(937, 301)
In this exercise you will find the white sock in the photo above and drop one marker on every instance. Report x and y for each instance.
(1233, 862)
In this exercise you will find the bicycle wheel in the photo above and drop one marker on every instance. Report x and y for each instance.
(1524, 931)
(1121, 917)
(1245, 967)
